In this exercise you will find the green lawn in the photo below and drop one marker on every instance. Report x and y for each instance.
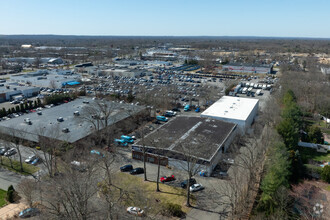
(28, 169)
(3, 195)
(308, 153)
(146, 190)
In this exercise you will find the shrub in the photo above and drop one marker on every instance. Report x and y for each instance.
(325, 174)
(173, 210)
(10, 194)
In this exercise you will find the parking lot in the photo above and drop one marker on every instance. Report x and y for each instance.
(8, 178)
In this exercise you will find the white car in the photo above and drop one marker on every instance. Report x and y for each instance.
(10, 152)
(30, 159)
(196, 187)
(135, 211)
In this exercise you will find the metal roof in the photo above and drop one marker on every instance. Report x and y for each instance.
(47, 124)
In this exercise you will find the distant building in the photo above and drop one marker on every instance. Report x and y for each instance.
(88, 64)
(31, 60)
(46, 78)
(9, 90)
(156, 54)
(124, 72)
(55, 61)
(248, 68)
(26, 46)
(240, 111)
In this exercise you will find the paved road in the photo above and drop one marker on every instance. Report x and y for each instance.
(8, 178)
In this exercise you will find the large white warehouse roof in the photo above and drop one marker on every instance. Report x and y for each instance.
(231, 108)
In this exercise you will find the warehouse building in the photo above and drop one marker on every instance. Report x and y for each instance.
(203, 139)
(67, 122)
(44, 78)
(248, 68)
(125, 72)
(240, 111)
(8, 91)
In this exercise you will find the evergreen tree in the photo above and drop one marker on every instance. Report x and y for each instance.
(315, 135)
(21, 106)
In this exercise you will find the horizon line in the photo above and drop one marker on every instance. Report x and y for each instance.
(187, 36)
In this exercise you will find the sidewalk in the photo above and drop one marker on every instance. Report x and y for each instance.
(10, 210)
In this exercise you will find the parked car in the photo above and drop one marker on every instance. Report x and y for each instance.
(127, 167)
(35, 161)
(161, 118)
(196, 187)
(191, 182)
(80, 166)
(197, 110)
(170, 113)
(121, 142)
(97, 153)
(60, 119)
(3, 150)
(176, 109)
(137, 171)
(30, 159)
(127, 139)
(29, 212)
(135, 211)
(10, 152)
(167, 178)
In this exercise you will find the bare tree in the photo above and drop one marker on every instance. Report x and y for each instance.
(49, 148)
(71, 195)
(190, 163)
(99, 113)
(26, 189)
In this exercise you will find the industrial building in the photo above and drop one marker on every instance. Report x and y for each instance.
(44, 78)
(63, 123)
(240, 111)
(204, 139)
(125, 72)
(8, 91)
(248, 68)
(160, 54)
(31, 60)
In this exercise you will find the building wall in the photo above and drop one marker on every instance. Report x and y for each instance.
(151, 158)
(182, 165)
(218, 156)
(252, 115)
(247, 69)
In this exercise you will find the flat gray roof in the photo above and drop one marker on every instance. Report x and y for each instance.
(48, 126)
(204, 136)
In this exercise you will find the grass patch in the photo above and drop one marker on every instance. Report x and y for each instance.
(3, 195)
(327, 188)
(28, 168)
(145, 195)
(312, 154)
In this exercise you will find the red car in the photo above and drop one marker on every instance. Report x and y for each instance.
(167, 178)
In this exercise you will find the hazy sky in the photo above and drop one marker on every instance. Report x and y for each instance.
(278, 18)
